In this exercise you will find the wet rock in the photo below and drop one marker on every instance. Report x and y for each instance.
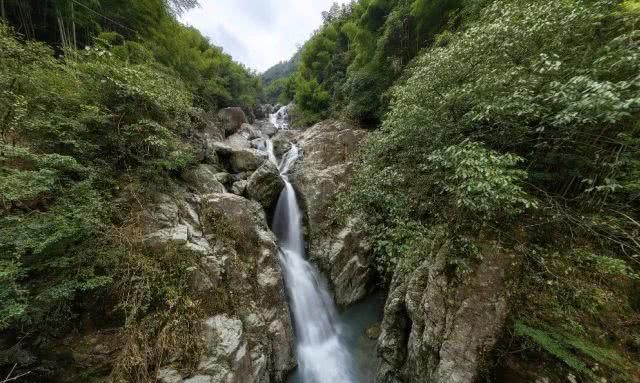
(341, 251)
(265, 185)
(232, 119)
(259, 144)
(203, 179)
(437, 328)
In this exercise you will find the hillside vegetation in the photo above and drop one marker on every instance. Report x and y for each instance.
(501, 119)
(94, 119)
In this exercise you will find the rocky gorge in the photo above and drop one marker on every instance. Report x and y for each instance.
(433, 329)
(221, 209)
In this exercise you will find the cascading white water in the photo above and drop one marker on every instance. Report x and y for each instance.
(322, 355)
(280, 119)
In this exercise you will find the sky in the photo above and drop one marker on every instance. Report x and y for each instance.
(258, 33)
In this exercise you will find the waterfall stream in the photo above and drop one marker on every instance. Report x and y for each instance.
(322, 354)
(280, 119)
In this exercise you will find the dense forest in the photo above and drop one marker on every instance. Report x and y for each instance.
(144, 29)
(508, 119)
(277, 87)
(96, 101)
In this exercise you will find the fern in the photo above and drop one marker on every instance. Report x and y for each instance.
(572, 350)
(554, 346)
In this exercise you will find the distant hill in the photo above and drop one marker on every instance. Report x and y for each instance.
(280, 70)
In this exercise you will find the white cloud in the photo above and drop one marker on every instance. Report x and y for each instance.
(258, 33)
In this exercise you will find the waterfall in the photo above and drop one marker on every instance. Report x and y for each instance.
(280, 119)
(322, 355)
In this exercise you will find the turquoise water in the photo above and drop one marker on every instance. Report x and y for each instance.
(356, 320)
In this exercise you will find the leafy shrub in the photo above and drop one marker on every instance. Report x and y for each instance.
(479, 180)
(77, 127)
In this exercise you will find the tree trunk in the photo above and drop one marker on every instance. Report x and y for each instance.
(4, 14)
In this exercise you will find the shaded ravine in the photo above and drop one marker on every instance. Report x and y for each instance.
(322, 341)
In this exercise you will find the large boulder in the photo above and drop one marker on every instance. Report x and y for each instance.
(239, 160)
(265, 185)
(250, 132)
(439, 328)
(204, 131)
(266, 128)
(232, 119)
(341, 251)
(174, 218)
(204, 179)
(282, 141)
(246, 160)
(237, 141)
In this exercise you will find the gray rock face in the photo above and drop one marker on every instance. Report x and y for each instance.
(232, 119)
(248, 334)
(203, 179)
(246, 160)
(265, 185)
(341, 251)
(175, 218)
(205, 132)
(439, 330)
(250, 132)
(256, 342)
(237, 141)
(266, 128)
(239, 187)
(282, 141)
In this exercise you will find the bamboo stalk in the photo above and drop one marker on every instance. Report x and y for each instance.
(73, 26)
(61, 28)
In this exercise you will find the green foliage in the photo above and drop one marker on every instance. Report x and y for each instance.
(312, 99)
(518, 123)
(574, 352)
(363, 47)
(479, 180)
(139, 30)
(281, 70)
(71, 129)
(280, 91)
